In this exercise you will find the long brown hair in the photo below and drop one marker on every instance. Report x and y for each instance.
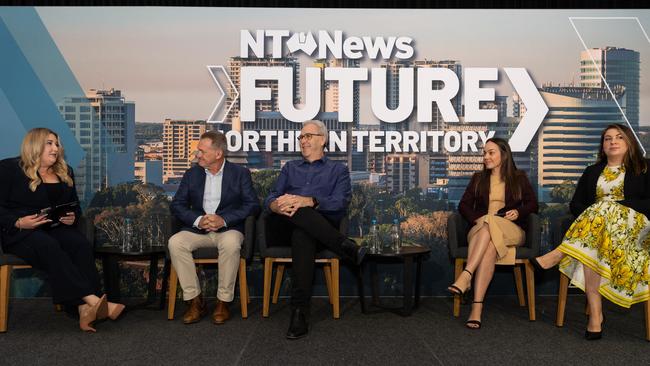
(633, 159)
(508, 172)
(30, 157)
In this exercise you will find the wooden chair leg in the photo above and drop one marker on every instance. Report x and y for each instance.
(458, 269)
(243, 286)
(5, 279)
(561, 299)
(335, 288)
(519, 284)
(171, 301)
(248, 293)
(327, 270)
(646, 306)
(530, 288)
(279, 274)
(266, 298)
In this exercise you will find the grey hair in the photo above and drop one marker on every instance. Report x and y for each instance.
(218, 141)
(322, 129)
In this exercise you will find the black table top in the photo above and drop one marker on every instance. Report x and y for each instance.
(405, 251)
(147, 250)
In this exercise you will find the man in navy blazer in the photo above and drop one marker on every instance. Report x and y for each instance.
(212, 201)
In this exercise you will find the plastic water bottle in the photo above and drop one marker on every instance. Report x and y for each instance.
(374, 237)
(127, 235)
(396, 241)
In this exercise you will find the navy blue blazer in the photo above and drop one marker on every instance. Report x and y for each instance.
(238, 197)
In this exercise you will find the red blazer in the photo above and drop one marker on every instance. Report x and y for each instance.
(471, 206)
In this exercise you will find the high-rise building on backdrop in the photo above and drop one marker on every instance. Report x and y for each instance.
(180, 140)
(104, 124)
(569, 138)
(617, 66)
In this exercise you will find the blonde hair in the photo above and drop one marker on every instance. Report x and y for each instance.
(30, 157)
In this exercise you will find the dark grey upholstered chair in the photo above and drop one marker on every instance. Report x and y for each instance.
(282, 255)
(9, 262)
(559, 228)
(210, 256)
(457, 229)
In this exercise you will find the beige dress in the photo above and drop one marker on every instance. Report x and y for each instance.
(505, 234)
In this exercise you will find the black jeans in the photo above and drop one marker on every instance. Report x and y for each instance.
(68, 259)
(308, 231)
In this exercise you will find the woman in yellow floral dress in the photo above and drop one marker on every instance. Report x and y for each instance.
(606, 251)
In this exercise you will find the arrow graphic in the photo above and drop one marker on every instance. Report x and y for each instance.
(214, 70)
(536, 109)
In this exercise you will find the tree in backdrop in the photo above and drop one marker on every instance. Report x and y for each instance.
(563, 192)
(362, 205)
(145, 204)
(425, 228)
(263, 182)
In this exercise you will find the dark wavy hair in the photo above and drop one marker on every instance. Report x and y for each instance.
(633, 159)
(508, 172)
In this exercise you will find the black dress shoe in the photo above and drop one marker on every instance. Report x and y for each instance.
(353, 252)
(299, 326)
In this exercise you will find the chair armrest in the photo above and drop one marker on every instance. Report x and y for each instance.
(456, 233)
(260, 231)
(344, 225)
(559, 227)
(249, 238)
(87, 228)
(534, 233)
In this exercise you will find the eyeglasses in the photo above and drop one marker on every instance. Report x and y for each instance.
(308, 136)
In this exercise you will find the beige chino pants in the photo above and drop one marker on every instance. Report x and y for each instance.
(228, 244)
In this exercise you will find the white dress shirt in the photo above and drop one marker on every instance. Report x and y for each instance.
(211, 193)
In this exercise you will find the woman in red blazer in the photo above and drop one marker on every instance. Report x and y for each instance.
(496, 203)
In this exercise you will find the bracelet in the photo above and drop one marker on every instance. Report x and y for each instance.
(20, 225)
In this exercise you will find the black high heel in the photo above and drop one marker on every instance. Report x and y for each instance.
(594, 336)
(456, 290)
(474, 322)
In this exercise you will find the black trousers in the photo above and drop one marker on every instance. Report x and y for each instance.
(68, 259)
(308, 231)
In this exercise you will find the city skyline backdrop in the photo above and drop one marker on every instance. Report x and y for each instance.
(167, 76)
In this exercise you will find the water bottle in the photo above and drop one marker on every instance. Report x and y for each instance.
(373, 244)
(127, 235)
(395, 239)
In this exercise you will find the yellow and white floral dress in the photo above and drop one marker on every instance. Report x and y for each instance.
(611, 239)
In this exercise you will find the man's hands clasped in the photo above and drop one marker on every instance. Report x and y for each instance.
(288, 204)
(211, 222)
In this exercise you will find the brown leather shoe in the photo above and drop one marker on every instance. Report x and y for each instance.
(221, 312)
(195, 311)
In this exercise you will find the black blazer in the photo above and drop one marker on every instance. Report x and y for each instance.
(238, 198)
(472, 206)
(17, 200)
(636, 190)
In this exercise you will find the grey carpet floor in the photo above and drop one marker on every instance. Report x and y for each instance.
(38, 335)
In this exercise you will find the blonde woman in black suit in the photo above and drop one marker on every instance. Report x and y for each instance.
(40, 178)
